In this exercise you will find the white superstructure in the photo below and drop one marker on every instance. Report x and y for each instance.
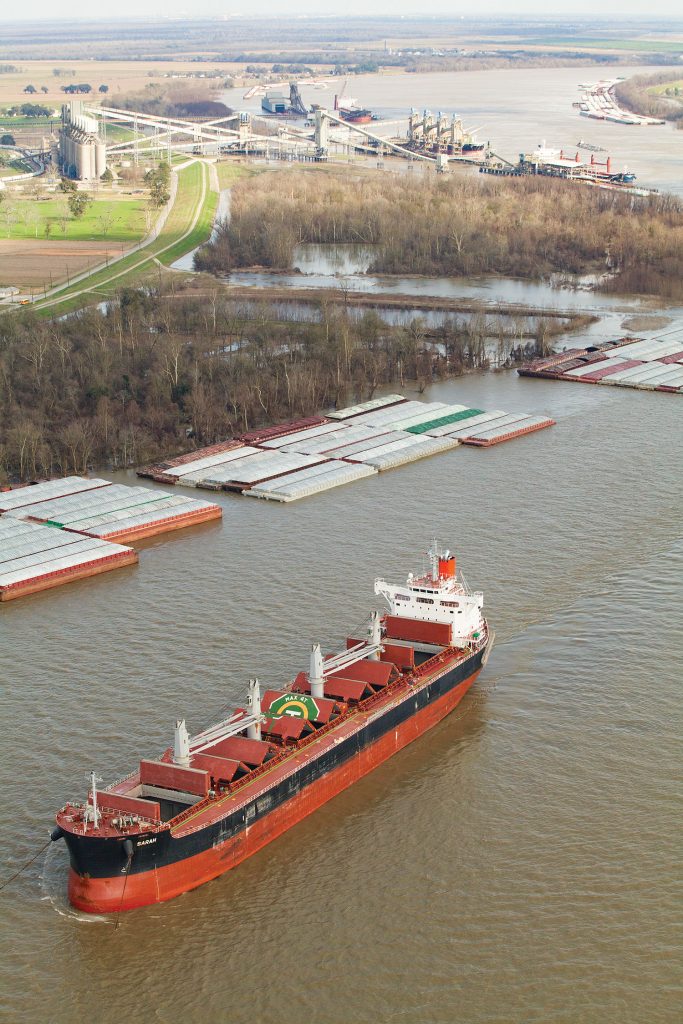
(437, 596)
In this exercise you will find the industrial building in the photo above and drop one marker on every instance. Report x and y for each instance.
(82, 153)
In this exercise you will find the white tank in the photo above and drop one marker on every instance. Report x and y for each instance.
(100, 159)
(89, 163)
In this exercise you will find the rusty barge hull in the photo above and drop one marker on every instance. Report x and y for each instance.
(59, 577)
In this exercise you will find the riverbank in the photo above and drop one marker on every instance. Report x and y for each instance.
(659, 95)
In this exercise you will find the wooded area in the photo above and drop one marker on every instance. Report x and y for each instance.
(657, 95)
(158, 374)
(455, 226)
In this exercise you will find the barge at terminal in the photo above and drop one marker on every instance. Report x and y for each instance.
(599, 103)
(210, 801)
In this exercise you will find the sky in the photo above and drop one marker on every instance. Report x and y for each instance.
(75, 9)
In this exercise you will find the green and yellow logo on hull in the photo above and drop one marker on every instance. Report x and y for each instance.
(295, 705)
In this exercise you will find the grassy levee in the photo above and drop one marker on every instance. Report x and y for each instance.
(187, 225)
(202, 228)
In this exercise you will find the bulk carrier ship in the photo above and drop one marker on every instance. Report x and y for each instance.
(212, 800)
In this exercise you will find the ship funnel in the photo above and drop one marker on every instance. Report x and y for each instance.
(181, 744)
(315, 672)
(447, 566)
(254, 730)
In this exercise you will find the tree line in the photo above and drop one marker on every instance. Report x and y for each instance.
(454, 226)
(635, 94)
(159, 373)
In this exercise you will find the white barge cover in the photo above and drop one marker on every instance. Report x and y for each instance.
(369, 406)
(19, 497)
(29, 551)
(317, 478)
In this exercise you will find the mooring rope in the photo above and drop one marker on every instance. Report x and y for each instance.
(26, 865)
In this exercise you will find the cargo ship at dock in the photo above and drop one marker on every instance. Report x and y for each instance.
(352, 112)
(555, 163)
(214, 799)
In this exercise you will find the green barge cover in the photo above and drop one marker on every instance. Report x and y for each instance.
(453, 417)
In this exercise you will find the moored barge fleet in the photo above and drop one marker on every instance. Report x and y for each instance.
(213, 799)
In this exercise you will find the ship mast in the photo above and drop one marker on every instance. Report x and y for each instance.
(434, 556)
(92, 813)
(254, 700)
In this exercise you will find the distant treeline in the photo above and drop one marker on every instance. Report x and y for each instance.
(175, 99)
(164, 373)
(29, 110)
(455, 226)
(635, 95)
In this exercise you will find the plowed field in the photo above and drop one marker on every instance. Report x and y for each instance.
(32, 264)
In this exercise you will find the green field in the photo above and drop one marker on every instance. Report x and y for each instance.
(637, 45)
(8, 123)
(201, 230)
(120, 133)
(114, 220)
(180, 234)
(188, 225)
(661, 90)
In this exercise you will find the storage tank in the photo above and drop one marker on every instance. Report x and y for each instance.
(89, 150)
(100, 159)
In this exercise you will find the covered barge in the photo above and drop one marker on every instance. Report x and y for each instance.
(292, 460)
(654, 364)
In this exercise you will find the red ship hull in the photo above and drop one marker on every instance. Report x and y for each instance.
(113, 894)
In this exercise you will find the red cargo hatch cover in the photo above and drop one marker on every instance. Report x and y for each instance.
(341, 689)
(221, 769)
(287, 728)
(241, 748)
(401, 657)
(173, 776)
(375, 672)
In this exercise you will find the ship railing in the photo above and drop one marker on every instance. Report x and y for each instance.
(410, 679)
(139, 819)
(119, 782)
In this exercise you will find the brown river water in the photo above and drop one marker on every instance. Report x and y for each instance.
(517, 864)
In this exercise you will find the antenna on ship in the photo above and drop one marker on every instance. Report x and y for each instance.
(434, 559)
(181, 744)
(315, 673)
(254, 730)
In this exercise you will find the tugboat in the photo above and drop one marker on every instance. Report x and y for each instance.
(213, 799)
